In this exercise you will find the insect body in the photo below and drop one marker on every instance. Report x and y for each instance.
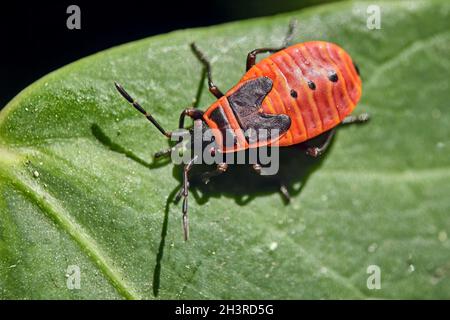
(303, 90)
(293, 95)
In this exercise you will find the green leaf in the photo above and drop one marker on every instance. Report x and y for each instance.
(79, 187)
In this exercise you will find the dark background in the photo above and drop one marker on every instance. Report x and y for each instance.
(36, 41)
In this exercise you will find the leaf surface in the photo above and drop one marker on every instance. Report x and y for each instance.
(79, 187)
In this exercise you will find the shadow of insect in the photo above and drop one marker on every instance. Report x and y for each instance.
(240, 182)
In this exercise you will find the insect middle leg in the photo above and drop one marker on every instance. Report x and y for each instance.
(251, 57)
(282, 187)
(207, 65)
(220, 168)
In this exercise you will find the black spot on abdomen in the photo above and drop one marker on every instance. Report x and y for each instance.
(311, 85)
(333, 77)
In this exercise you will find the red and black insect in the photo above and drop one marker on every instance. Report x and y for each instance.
(302, 90)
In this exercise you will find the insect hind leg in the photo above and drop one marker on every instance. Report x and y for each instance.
(319, 150)
(251, 57)
(354, 119)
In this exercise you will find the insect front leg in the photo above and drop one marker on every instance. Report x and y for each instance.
(192, 113)
(163, 153)
(220, 168)
(251, 57)
(207, 66)
(195, 114)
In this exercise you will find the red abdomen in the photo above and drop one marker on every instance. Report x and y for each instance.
(315, 83)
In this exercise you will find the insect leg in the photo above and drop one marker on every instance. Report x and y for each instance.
(221, 168)
(285, 192)
(190, 112)
(317, 151)
(207, 65)
(360, 118)
(283, 188)
(179, 194)
(163, 153)
(184, 194)
(290, 33)
(251, 57)
(135, 104)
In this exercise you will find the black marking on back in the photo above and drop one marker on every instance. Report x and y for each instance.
(332, 76)
(245, 103)
(311, 85)
(294, 93)
(248, 98)
(219, 117)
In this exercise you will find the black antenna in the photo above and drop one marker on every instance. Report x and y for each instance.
(135, 104)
